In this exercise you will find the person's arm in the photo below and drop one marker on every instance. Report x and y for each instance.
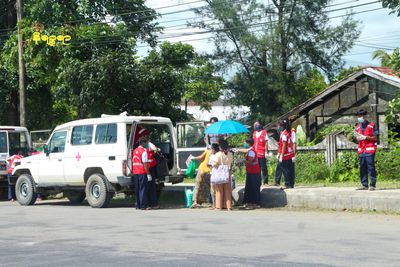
(145, 160)
(266, 146)
(251, 157)
(201, 157)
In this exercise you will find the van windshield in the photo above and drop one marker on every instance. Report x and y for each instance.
(3, 142)
(18, 143)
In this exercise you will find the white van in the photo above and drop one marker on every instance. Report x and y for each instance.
(13, 139)
(91, 158)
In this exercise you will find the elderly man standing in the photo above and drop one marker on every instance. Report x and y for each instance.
(260, 138)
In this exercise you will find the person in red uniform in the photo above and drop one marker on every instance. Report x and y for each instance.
(367, 137)
(140, 131)
(152, 186)
(285, 154)
(253, 177)
(260, 139)
(12, 163)
(141, 173)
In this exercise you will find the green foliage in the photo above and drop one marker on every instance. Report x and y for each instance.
(312, 82)
(392, 113)
(392, 4)
(276, 65)
(388, 163)
(345, 168)
(100, 71)
(348, 131)
(344, 72)
(388, 60)
(311, 167)
(237, 140)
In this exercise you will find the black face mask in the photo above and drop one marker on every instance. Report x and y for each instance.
(258, 128)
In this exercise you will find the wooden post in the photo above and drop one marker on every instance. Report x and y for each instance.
(21, 66)
(331, 149)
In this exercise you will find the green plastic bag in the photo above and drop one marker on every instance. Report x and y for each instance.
(191, 170)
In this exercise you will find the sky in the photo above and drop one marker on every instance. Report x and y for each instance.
(380, 30)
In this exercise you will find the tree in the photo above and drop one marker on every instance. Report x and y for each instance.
(344, 72)
(392, 4)
(271, 45)
(388, 60)
(46, 65)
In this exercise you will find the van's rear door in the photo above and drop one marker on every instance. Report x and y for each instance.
(191, 141)
(3, 153)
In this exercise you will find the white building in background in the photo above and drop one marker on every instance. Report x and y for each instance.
(220, 109)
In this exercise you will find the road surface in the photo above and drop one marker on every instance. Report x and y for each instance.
(53, 233)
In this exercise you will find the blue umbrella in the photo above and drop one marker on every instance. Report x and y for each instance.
(226, 127)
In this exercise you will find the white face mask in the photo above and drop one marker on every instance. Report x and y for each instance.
(360, 119)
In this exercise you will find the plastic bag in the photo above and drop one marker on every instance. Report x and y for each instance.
(191, 170)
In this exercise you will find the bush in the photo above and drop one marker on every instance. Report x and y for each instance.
(388, 163)
(311, 167)
(348, 131)
(345, 168)
(237, 140)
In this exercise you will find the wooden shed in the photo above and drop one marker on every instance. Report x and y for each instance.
(370, 88)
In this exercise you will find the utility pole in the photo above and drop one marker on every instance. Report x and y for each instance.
(21, 66)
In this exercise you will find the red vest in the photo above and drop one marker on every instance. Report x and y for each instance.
(137, 163)
(12, 162)
(152, 159)
(289, 152)
(259, 143)
(252, 168)
(366, 146)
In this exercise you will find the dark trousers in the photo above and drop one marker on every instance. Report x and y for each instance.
(367, 166)
(152, 193)
(11, 188)
(141, 191)
(286, 167)
(263, 169)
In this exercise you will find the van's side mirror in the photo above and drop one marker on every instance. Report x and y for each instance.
(46, 149)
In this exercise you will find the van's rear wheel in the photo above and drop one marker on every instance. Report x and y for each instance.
(25, 190)
(75, 197)
(98, 191)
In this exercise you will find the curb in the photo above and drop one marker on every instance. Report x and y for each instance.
(335, 198)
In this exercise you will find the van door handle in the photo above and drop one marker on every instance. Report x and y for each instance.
(60, 159)
(111, 158)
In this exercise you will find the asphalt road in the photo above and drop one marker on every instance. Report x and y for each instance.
(53, 233)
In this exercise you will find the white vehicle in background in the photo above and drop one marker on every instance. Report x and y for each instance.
(91, 158)
(13, 139)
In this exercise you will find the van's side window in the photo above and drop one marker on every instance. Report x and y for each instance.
(106, 134)
(82, 135)
(57, 142)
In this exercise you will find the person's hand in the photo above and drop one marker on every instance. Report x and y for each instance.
(280, 158)
(277, 156)
(149, 178)
(266, 155)
(294, 159)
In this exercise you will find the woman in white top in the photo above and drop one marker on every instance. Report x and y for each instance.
(221, 177)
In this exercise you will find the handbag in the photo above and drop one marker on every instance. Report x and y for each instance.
(220, 175)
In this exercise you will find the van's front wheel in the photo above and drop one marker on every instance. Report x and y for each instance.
(25, 190)
(98, 192)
